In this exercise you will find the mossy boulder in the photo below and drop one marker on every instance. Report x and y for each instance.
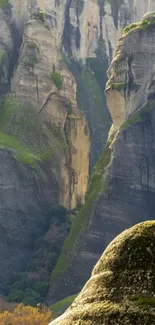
(121, 289)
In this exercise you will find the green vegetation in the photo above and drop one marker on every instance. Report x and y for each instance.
(3, 3)
(40, 15)
(140, 116)
(118, 86)
(121, 290)
(57, 79)
(97, 187)
(19, 152)
(73, 117)
(131, 120)
(3, 58)
(46, 250)
(25, 127)
(143, 301)
(142, 25)
(91, 79)
(28, 297)
(59, 307)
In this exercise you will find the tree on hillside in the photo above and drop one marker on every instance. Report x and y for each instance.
(27, 315)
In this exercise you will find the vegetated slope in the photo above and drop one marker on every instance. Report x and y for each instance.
(121, 288)
(44, 137)
(44, 148)
(122, 188)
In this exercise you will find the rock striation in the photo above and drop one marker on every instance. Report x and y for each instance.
(44, 137)
(53, 57)
(121, 287)
(121, 191)
(130, 70)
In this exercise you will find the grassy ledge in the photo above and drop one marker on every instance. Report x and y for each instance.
(140, 116)
(141, 25)
(60, 306)
(19, 152)
(24, 130)
(96, 187)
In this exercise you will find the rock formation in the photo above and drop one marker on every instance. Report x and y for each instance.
(44, 137)
(121, 288)
(121, 191)
(53, 60)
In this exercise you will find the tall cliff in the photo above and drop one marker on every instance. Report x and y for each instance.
(87, 33)
(53, 61)
(121, 190)
(44, 137)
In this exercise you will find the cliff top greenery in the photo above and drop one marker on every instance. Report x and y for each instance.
(3, 3)
(142, 25)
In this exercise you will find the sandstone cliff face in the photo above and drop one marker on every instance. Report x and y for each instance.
(130, 71)
(32, 84)
(121, 288)
(87, 32)
(91, 21)
(123, 182)
(84, 30)
(43, 134)
(38, 51)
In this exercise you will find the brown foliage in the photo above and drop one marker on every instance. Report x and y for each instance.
(26, 315)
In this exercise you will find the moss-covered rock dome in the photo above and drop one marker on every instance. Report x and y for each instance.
(121, 290)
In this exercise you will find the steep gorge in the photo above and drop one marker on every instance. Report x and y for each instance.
(53, 61)
(121, 191)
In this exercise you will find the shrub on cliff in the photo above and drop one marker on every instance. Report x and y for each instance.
(57, 79)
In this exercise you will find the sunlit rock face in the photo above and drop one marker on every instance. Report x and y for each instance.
(126, 194)
(131, 70)
(44, 137)
(121, 287)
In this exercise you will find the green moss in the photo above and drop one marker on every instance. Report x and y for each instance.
(3, 3)
(142, 25)
(45, 252)
(118, 86)
(40, 15)
(143, 301)
(139, 116)
(3, 58)
(73, 117)
(91, 79)
(59, 307)
(20, 153)
(98, 105)
(24, 125)
(57, 79)
(96, 184)
(97, 187)
(131, 120)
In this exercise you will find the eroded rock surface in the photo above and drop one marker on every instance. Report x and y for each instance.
(130, 70)
(121, 288)
(122, 189)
